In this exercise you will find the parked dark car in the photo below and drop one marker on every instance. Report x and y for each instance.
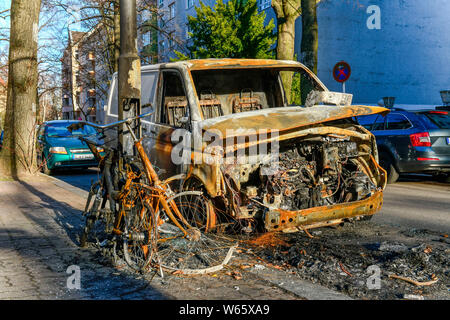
(60, 148)
(412, 141)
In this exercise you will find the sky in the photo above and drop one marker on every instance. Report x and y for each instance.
(4, 25)
(4, 5)
(52, 38)
(62, 21)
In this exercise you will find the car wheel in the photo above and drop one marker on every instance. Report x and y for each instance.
(388, 165)
(443, 177)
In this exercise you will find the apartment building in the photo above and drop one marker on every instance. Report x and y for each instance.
(147, 21)
(87, 67)
(395, 48)
(85, 75)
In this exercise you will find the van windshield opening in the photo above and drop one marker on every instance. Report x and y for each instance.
(227, 91)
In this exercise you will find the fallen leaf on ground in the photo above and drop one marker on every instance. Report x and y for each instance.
(178, 272)
(277, 267)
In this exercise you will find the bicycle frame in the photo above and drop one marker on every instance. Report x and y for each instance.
(160, 192)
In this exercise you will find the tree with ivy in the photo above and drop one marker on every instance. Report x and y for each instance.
(230, 30)
(18, 153)
(287, 12)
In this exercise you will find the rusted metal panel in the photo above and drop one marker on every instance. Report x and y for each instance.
(278, 219)
(287, 118)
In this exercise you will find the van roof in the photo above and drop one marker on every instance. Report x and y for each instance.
(202, 64)
(221, 64)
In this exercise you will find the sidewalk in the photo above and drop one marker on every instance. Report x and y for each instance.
(40, 223)
(39, 226)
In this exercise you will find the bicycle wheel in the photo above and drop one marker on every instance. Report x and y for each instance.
(192, 250)
(139, 239)
(94, 225)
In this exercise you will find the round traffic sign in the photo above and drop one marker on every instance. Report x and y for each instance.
(341, 71)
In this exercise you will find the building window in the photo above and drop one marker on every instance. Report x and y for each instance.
(189, 3)
(162, 47)
(172, 10)
(146, 38)
(145, 15)
(171, 40)
(188, 31)
(264, 4)
(161, 2)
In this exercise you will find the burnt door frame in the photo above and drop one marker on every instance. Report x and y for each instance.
(161, 149)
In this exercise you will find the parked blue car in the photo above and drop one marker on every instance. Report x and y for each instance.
(412, 141)
(59, 148)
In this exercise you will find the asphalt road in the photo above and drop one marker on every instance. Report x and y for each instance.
(416, 201)
(81, 178)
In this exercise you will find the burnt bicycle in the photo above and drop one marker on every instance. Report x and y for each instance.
(154, 224)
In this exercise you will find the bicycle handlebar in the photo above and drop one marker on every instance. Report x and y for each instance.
(77, 125)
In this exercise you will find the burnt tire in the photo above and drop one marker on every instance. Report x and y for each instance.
(366, 218)
(193, 250)
(387, 163)
(85, 234)
(139, 250)
(92, 206)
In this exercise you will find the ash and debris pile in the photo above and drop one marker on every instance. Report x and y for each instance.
(343, 259)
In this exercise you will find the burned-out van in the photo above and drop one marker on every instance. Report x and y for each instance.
(226, 125)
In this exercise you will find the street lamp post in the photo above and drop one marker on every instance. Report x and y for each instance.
(129, 71)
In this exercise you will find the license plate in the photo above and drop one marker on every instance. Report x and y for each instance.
(83, 156)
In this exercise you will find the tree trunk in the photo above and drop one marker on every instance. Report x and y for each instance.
(310, 41)
(18, 154)
(287, 11)
(285, 51)
(116, 35)
(310, 35)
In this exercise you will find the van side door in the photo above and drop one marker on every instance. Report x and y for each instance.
(149, 82)
(172, 117)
